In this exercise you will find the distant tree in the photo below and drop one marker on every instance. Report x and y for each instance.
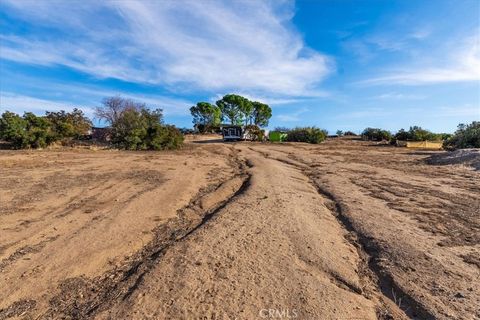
(234, 108)
(416, 133)
(113, 107)
(339, 133)
(376, 134)
(206, 115)
(282, 129)
(349, 133)
(69, 124)
(466, 136)
(261, 114)
(142, 129)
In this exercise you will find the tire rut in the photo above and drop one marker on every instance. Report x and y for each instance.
(370, 272)
(82, 298)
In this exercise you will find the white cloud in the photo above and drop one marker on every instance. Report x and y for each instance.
(66, 94)
(20, 103)
(463, 65)
(399, 96)
(246, 46)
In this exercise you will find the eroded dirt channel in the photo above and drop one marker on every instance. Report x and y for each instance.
(223, 231)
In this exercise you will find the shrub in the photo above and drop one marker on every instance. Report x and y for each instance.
(416, 133)
(376, 134)
(349, 133)
(29, 131)
(307, 134)
(254, 133)
(466, 136)
(69, 124)
(142, 129)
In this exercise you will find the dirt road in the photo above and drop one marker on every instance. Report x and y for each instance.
(343, 230)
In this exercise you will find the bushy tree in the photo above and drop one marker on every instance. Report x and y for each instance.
(235, 108)
(69, 124)
(466, 136)
(376, 134)
(29, 131)
(307, 134)
(206, 116)
(142, 129)
(13, 128)
(339, 133)
(261, 114)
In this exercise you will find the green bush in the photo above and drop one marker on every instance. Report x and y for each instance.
(466, 136)
(69, 124)
(376, 134)
(307, 134)
(29, 131)
(416, 133)
(142, 129)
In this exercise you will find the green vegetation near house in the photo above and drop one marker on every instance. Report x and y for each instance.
(277, 136)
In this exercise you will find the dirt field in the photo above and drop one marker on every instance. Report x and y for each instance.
(341, 230)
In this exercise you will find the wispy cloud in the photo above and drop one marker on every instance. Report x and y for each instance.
(20, 103)
(292, 117)
(69, 94)
(188, 45)
(399, 96)
(462, 65)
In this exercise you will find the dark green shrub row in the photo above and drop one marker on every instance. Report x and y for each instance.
(307, 134)
(31, 131)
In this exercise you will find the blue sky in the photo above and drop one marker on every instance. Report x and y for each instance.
(333, 64)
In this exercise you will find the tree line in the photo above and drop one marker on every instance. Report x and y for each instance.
(132, 126)
(466, 136)
(234, 109)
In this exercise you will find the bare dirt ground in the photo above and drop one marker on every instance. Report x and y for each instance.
(341, 230)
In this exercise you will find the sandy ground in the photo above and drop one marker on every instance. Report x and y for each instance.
(342, 230)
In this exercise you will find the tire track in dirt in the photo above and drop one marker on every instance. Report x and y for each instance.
(82, 298)
(412, 266)
(375, 281)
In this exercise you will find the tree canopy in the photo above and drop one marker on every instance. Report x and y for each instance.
(261, 114)
(234, 109)
(206, 114)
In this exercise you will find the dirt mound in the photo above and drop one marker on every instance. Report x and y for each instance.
(468, 157)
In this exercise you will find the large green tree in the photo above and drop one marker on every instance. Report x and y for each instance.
(205, 114)
(261, 114)
(235, 108)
